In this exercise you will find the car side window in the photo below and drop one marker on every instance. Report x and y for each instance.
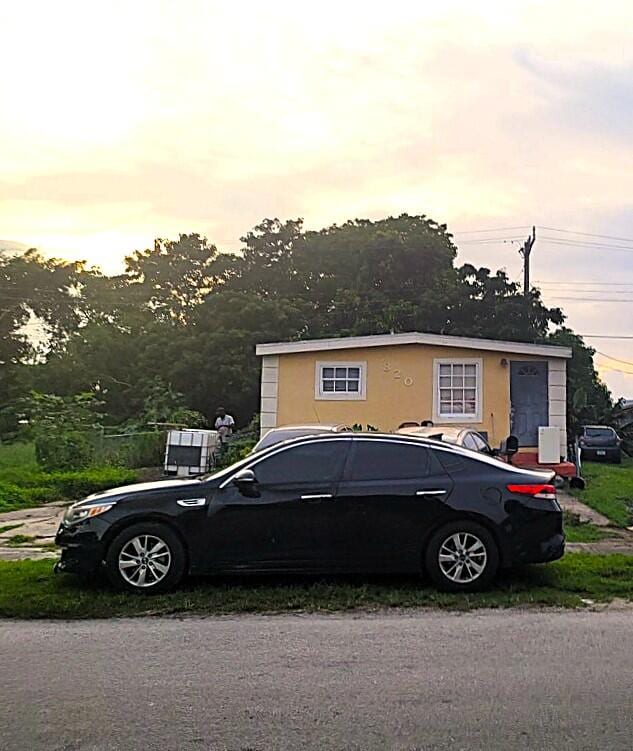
(388, 460)
(317, 462)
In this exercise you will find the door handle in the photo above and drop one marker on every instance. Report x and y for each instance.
(431, 492)
(316, 497)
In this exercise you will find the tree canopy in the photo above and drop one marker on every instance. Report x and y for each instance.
(187, 316)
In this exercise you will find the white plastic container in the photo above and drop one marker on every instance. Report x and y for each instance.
(548, 445)
(190, 451)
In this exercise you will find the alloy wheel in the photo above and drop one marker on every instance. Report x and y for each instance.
(144, 561)
(462, 557)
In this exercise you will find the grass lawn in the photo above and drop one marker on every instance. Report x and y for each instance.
(14, 455)
(609, 490)
(579, 531)
(29, 589)
(23, 484)
(586, 533)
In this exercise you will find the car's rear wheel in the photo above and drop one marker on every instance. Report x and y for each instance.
(462, 557)
(146, 558)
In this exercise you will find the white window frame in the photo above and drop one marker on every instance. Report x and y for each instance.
(337, 396)
(464, 417)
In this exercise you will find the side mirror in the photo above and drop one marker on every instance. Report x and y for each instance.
(246, 482)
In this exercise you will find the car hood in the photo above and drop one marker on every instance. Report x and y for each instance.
(141, 487)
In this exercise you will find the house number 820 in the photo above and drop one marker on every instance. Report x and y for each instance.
(397, 374)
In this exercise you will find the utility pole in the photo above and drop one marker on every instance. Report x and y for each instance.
(525, 252)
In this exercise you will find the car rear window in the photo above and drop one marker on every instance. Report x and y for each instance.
(452, 462)
(599, 432)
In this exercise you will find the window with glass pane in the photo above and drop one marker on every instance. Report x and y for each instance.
(458, 388)
(340, 380)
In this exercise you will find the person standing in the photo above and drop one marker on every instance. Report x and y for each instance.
(224, 424)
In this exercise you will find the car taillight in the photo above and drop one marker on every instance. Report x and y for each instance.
(537, 490)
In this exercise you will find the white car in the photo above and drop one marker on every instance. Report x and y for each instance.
(457, 435)
(286, 432)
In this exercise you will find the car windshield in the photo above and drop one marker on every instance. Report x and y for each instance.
(599, 432)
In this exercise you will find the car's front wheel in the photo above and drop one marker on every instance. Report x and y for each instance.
(146, 558)
(462, 557)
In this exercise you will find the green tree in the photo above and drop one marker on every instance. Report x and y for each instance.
(35, 294)
(174, 276)
(188, 316)
(62, 427)
(588, 398)
(491, 306)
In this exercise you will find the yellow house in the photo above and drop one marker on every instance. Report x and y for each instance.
(495, 387)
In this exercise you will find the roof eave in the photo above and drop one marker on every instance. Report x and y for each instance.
(384, 340)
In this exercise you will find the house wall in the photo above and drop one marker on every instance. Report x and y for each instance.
(557, 396)
(399, 387)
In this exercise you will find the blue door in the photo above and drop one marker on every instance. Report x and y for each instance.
(528, 397)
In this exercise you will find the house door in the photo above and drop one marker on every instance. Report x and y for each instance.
(528, 397)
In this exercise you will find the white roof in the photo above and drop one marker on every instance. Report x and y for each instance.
(386, 340)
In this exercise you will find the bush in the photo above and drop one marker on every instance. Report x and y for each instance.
(13, 496)
(36, 488)
(133, 450)
(64, 450)
(75, 485)
(240, 444)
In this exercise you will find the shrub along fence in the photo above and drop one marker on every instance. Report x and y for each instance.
(22, 489)
(134, 450)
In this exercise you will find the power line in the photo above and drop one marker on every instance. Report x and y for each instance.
(583, 283)
(584, 244)
(491, 241)
(494, 229)
(616, 370)
(587, 234)
(593, 299)
(624, 362)
(605, 336)
(585, 291)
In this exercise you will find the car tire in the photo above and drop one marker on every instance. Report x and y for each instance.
(146, 558)
(477, 545)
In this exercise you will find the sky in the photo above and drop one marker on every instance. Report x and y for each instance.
(122, 122)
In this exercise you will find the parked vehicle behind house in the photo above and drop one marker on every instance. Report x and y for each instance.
(344, 502)
(287, 432)
(459, 436)
(600, 443)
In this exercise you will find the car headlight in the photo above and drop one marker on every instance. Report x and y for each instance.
(75, 514)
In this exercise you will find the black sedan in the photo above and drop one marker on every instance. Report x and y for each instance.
(345, 502)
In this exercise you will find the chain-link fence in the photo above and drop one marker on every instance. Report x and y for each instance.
(133, 450)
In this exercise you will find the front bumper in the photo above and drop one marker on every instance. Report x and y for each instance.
(82, 551)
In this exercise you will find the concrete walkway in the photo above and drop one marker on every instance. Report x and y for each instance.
(38, 523)
(586, 514)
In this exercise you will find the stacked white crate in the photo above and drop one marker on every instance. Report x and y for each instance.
(206, 441)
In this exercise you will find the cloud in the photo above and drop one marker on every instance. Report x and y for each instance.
(593, 97)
